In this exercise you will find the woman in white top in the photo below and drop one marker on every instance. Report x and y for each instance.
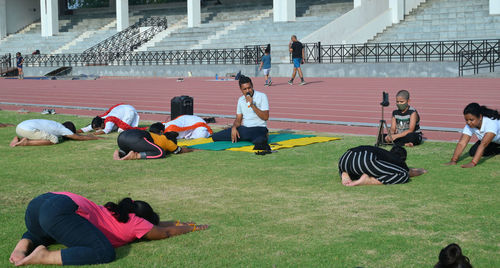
(485, 124)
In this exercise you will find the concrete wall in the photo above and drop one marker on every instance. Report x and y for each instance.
(3, 19)
(494, 7)
(396, 69)
(21, 13)
(363, 22)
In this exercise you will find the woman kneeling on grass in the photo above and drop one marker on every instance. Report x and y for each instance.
(90, 232)
(153, 144)
(370, 165)
(485, 124)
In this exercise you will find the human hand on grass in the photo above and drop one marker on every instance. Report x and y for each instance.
(469, 165)
(451, 163)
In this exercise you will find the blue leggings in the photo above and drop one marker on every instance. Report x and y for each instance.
(52, 218)
(255, 135)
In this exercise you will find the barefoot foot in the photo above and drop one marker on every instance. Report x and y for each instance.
(130, 156)
(346, 180)
(41, 255)
(17, 255)
(14, 141)
(116, 155)
(365, 180)
(409, 144)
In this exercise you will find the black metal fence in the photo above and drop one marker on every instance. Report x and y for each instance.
(395, 52)
(5, 63)
(248, 55)
(479, 59)
(131, 38)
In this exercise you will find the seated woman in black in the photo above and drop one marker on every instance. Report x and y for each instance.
(370, 165)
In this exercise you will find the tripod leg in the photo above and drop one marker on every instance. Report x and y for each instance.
(388, 134)
(380, 135)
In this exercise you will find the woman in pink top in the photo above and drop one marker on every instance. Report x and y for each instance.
(89, 231)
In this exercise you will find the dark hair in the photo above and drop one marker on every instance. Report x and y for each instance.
(404, 94)
(157, 128)
(244, 80)
(451, 257)
(139, 208)
(399, 151)
(69, 125)
(478, 110)
(97, 122)
(172, 135)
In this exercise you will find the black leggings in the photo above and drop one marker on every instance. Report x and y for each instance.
(139, 141)
(413, 137)
(491, 149)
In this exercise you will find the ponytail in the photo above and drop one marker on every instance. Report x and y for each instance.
(478, 110)
(139, 208)
(121, 210)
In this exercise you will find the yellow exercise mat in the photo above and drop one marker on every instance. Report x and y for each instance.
(287, 144)
(194, 141)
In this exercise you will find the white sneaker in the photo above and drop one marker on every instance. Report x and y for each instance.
(45, 111)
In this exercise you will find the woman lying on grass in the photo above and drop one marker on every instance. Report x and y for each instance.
(485, 124)
(90, 232)
(370, 165)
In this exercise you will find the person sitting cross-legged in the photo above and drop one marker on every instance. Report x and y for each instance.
(251, 115)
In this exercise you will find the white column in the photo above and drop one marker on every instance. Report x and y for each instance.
(284, 10)
(122, 20)
(357, 3)
(194, 13)
(3, 19)
(398, 10)
(49, 17)
(494, 7)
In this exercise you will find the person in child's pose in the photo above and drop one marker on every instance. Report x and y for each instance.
(485, 124)
(405, 128)
(370, 165)
(38, 132)
(89, 231)
(140, 144)
(265, 66)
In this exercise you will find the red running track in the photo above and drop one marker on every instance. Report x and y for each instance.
(440, 101)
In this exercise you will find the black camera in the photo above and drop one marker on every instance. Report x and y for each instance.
(385, 99)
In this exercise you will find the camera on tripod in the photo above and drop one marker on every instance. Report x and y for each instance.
(383, 125)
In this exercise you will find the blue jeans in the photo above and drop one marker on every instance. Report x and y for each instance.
(52, 218)
(255, 135)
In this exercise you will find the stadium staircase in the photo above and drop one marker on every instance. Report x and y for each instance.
(438, 20)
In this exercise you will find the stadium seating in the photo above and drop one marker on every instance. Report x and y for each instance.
(445, 20)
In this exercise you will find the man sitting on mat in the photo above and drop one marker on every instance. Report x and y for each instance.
(36, 132)
(370, 165)
(119, 117)
(251, 115)
(189, 127)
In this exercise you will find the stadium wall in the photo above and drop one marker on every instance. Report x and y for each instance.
(381, 69)
(20, 13)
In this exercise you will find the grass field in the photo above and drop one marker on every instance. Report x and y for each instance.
(286, 209)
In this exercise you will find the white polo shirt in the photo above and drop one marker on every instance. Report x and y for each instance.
(250, 118)
(48, 126)
(124, 112)
(488, 125)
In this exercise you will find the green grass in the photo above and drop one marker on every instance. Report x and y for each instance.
(286, 209)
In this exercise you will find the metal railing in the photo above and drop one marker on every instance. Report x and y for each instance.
(479, 59)
(395, 52)
(5, 63)
(131, 38)
(248, 55)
